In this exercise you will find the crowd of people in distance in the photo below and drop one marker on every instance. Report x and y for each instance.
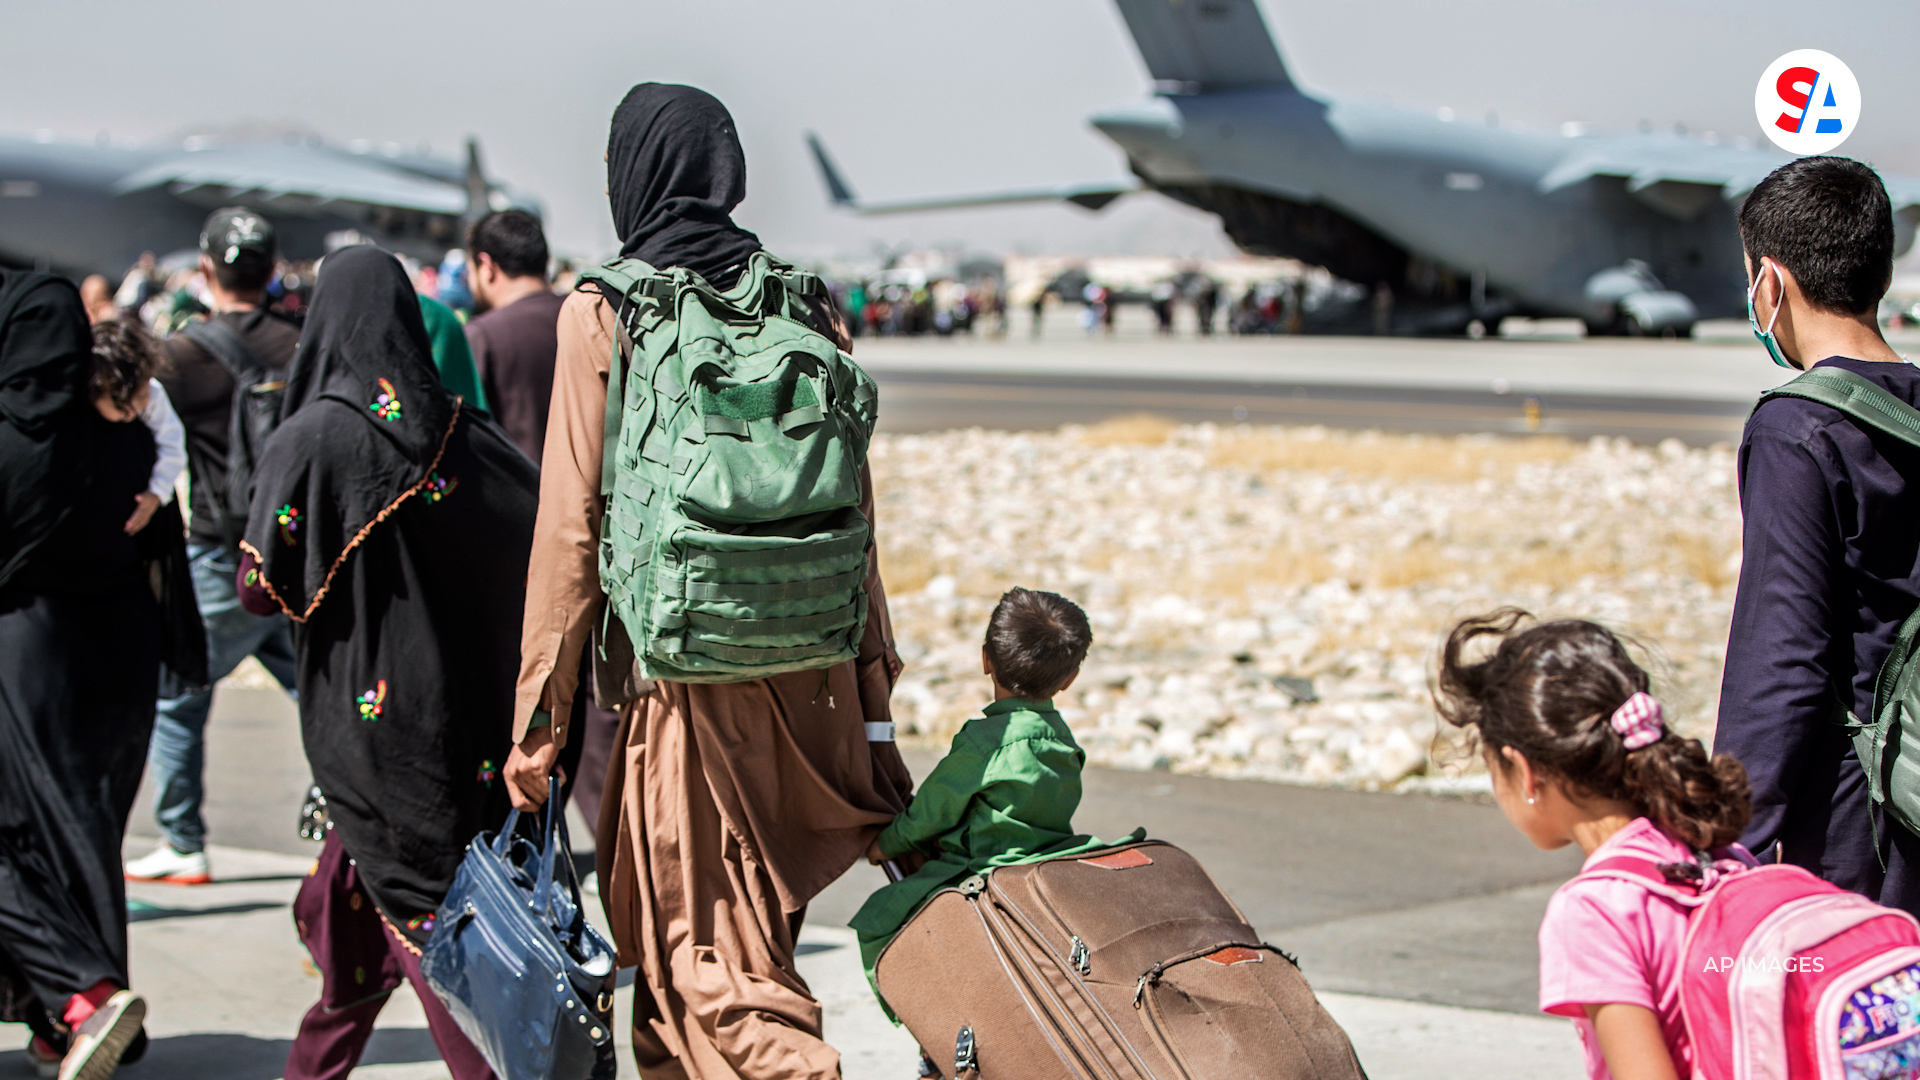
(402, 511)
(897, 303)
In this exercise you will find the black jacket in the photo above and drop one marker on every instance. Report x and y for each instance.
(1831, 535)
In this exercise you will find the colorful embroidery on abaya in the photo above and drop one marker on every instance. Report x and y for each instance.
(371, 701)
(387, 405)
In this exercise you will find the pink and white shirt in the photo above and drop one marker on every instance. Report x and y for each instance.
(1606, 941)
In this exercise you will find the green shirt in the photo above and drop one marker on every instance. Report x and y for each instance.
(451, 356)
(1004, 794)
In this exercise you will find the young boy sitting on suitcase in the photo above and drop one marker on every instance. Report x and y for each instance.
(1006, 791)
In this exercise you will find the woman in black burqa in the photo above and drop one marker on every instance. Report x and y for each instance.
(392, 522)
(79, 664)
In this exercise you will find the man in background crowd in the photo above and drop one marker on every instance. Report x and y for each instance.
(236, 258)
(514, 332)
(515, 335)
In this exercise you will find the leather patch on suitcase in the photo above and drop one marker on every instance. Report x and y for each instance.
(1120, 860)
(1234, 954)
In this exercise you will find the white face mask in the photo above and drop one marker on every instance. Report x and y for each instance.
(1766, 336)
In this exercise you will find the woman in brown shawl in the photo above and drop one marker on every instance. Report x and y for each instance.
(728, 806)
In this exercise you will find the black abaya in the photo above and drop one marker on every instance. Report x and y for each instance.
(394, 527)
(79, 661)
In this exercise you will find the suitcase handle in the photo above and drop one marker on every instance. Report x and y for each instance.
(892, 869)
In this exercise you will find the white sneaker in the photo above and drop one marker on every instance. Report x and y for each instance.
(171, 867)
(591, 883)
(95, 1049)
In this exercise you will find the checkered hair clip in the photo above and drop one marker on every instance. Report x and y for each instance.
(1639, 722)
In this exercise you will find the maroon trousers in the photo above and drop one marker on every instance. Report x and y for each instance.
(361, 962)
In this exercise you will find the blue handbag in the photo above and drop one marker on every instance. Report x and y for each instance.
(515, 961)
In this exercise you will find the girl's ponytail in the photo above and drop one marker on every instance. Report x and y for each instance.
(1703, 802)
(1567, 695)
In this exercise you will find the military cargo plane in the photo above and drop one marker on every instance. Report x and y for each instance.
(1443, 221)
(85, 207)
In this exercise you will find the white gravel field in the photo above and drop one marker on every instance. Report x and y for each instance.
(1220, 564)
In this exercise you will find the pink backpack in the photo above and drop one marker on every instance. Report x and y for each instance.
(1785, 976)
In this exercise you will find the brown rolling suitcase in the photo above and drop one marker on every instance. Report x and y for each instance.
(1125, 964)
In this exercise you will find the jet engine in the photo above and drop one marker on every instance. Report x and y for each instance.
(1629, 299)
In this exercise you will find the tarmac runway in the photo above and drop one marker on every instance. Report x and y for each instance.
(1697, 391)
(914, 401)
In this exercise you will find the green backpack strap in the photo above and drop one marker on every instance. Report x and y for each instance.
(1857, 398)
(632, 280)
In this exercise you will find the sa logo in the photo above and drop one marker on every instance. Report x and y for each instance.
(1807, 102)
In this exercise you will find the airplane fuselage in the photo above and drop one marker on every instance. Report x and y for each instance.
(1432, 207)
(70, 206)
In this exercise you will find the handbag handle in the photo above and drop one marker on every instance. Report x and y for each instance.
(555, 844)
(552, 847)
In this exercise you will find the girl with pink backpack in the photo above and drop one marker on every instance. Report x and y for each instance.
(1673, 952)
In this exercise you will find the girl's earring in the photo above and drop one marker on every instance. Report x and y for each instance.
(1529, 800)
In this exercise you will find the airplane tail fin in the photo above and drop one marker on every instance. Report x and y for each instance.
(478, 196)
(837, 188)
(1205, 44)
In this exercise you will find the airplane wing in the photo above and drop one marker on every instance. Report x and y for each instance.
(1681, 179)
(1093, 196)
(1728, 172)
(294, 177)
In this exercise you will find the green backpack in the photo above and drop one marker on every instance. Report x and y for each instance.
(1890, 760)
(733, 546)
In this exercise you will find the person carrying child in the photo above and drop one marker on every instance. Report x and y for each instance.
(79, 666)
(125, 360)
(1579, 754)
(1006, 792)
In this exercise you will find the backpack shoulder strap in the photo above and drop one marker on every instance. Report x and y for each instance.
(227, 347)
(1652, 876)
(1627, 864)
(617, 278)
(1858, 399)
(619, 282)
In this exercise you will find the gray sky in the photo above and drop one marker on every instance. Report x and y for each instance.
(912, 98)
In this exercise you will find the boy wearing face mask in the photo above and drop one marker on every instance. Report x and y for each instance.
(1831, 534)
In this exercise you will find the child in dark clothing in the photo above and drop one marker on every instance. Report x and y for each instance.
(1828, 572)
(1006, 792)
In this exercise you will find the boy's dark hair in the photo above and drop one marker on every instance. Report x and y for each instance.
(514, 241)
(1036, 641)
(1828, 220)
(124, 358)
(1550, 690)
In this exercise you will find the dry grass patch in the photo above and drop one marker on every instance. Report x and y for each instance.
(1284, 567)
(1392, 457)
(1134, 429)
